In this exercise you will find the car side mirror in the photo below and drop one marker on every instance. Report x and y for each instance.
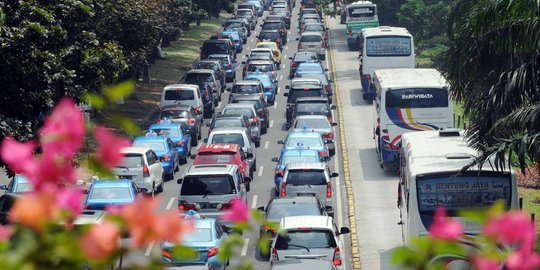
(275, 159)
(179, 181)
(229, 89)
(325, 69)
(334, 175)
(280, 142)
(260, 209)
(3, 187)
(285, 94)
(205, 140)
(328, 209)
(247, 179)
(249, 155)
(334, 124)
(344, 230)
(287, 87)
(257, 36)
(290, 57)
(333, 107)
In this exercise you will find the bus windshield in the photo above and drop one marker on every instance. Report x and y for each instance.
(456, 193)
(388, 46)
(361, 13)
(417, 98)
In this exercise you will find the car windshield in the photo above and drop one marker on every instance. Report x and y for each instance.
(308, 108)
(314, 28)
(214, 158)
(304, 142)
(248, 112)
(206, 65)
(207, 185)
(218, 123)
(279, 10)
(166, 132)
(310, 69)
(198, 235)
(244, 89)
(174, 114)
(152, 145)
(297, 93)
(23, 187)
(309, 123)
(297, 239)
(259, 54)
(228, 138)
(306, 177)
(259, 68)
(132, 160)
(269, 36)
(198, 77)
(110, 193)
(179, 94)
(299, 159)
(276, 212)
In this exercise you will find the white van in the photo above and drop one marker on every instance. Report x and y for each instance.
(430, 165)
(184, 94)
(411, 99)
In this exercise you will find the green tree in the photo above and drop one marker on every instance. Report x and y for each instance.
(493, 65)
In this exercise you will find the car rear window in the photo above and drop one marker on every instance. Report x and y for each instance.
(306, 107)
(228, 138)
(228, 123)
(166, 132)
(305, 238)
(312, 123)
(278, 211)
(198, 235)
(300, 158)
(303, 57)
(260, 68)
(107, 193)
(132, 160)
(311, 38)
(315, 28)
(152, 145)
(173, 114)
(269, 35)
(207, 185)
(310, 68)
(198, 77)
(297, 93)
(248, 101)
(206, 65)
(306, 177)
(244, 89)
(243, 13)
(179, 94)
(234, 25)
(213, 47)
(271, 26)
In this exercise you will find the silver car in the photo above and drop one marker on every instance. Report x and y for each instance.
(319, 124)
(308, 179)
(312, 42)
(142, 166)
(250, 112)
(308, 237)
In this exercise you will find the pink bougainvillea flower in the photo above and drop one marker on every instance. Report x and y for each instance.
(19, 156)
(100, 241)
(444, 228)
(139, 217)
(239, 211)
(34, 210)
(482, 263)
(52, 169)
(5, 233)
(512, 228)
(108, 153)
(169, 226)
(64, 130)
(70, 199)
(523, 260)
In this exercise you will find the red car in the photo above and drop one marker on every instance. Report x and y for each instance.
(224, 154)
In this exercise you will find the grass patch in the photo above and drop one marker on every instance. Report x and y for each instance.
(531, 203)
(186, 48)
(423, 62)
(460, 120)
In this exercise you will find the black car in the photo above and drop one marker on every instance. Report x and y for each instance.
(301, 88)
(186, 115)
(217, 46)
(302, 57)
(313, 106)
(260, 106)
(276, 25)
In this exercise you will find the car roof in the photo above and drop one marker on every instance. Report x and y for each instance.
(203, 223)
(311, 34)
(226, 130)
(200, 70)
(266, 42)
(246, 82)
(134, 150)
(151, 139)
(234, 105)
(294, 200)
(222, 55)
(303, 134)
(312, 116)
(269, 31)
(322, 99)
(210, 169)
(181, 86)
(260, 62)
(297, 152)
(217, 41)
(257, 74)
(175, 107)
(168, 125)
(306, 165)
(255, 97)
(306, 221)
(219, 147)
(213, 61)
(231, 115)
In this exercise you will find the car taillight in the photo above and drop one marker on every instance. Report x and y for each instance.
(385, 131)
(281, 30)
(337, 257)
(221, 73)
(146, 172)
(294, 64)
(328, 89)
(322, 44)
(185, 206)
(180, 143)
(191, 121)
(322, 153)
(328, 136)
(230, 66)
(255, 119)
(166, 254)
(274, 254)
(197, 109)
(166, 157)
(283, 189)
(225, 206)
(88, 207)
(386, 138)
(279, 172)
(275, 52)
(328, 190)
(213, 252)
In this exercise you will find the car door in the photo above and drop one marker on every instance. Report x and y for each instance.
(155, 168)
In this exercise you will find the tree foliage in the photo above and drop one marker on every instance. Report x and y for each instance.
(493, 65)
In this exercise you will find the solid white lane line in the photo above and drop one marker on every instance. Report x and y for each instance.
(282, 67)
(252, 39)
(271, 123)
(275, 104)
(266, 144)
(245, 247)
(261, 169)
(149, 249)
(247, 48)
(280, 77)
(287, 47)
(254, 202)
(169, 205)
(278, 90)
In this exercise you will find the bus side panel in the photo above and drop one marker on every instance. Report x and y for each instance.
(371, 64)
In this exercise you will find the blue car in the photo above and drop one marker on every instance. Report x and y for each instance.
(308, 68)
(236, 38)
(270, 87)
(174, 131)
(206, 237)
(111, 192)
(290, 156)
(165, 150)
(19, 184)
(306, 139)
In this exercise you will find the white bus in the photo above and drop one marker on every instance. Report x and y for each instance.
(407, 100)
(359, 15)
(383, 47)
(430, 165)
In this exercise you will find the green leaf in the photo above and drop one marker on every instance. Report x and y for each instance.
(96, 101)
(263, 245)
(126, 124)
(183, 252)
(118, 92)
(98, 169)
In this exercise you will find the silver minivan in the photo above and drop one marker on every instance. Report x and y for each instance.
(142, 166)
(210, 189)
(308, 179)
(312, 42)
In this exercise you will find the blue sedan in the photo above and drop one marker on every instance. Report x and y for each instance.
(290, 156)
(19, 184)
(236, 38)
(306, 139)
(308, 68)
(270, 87)
(176, 134)
(111, 192)
(165, 149)
(205, 238)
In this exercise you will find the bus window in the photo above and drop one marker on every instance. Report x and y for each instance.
(417, 98)
(388, 46)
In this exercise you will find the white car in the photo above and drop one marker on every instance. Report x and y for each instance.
(142, 166)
